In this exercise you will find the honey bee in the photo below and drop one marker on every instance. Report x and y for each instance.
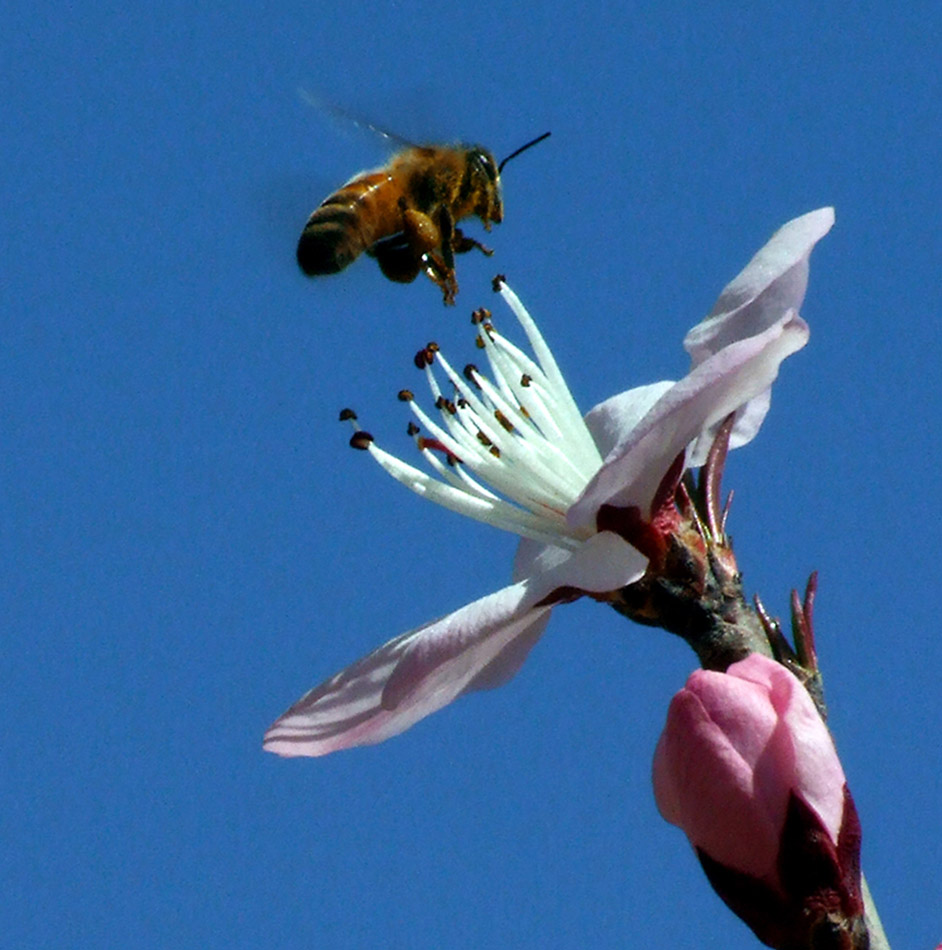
(405, 214)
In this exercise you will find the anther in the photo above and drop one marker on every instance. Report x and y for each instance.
(361, 440)
(503, 420)
(497, 281)
(426, 356)
(405, 395)
(347, 414)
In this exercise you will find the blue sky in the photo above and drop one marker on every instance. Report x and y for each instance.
(188, 545)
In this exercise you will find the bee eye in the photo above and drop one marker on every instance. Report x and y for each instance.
(484, 161)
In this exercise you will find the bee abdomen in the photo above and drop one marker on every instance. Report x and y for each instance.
(331, 238)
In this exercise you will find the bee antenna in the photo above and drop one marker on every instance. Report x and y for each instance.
(522, 148)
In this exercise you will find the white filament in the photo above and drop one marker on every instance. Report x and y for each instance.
(520, 451)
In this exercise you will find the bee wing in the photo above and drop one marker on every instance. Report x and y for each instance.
(338, 112)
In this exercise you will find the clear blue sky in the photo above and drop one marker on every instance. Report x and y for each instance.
(188, 545)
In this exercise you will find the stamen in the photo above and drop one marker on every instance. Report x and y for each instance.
(508, 448)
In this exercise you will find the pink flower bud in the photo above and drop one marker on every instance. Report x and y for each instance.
(746, 767)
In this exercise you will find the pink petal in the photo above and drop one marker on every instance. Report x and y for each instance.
(375, 698)
(703, 784)
(741, 371)
(818, 774)
(451, 657)
(477, 647)
(507, 663)
(771, 284)
(440, 664)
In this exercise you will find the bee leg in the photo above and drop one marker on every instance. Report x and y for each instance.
(462, 244)
(440, 263)
(446, 226)
(438, 271)
(396, 259)
(419, 231)
(424, 237)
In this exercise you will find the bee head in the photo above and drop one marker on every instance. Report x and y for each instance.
(483, 182)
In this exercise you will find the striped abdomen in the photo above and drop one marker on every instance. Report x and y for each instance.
(348, 222)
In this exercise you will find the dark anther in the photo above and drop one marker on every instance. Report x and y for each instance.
(503, 420)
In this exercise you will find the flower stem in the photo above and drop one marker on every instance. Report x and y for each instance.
(878, 939)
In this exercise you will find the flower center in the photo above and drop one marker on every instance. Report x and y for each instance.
(509, 448)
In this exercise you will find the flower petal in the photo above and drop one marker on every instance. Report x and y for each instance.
(449, 656)
(818, 774)
(507, 663)
(406, 679)
(741, 371)
(609, 420)
(477, 647)
(771, 284)
(440, 664)
(704, 784)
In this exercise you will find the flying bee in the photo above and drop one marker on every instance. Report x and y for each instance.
(405, 214)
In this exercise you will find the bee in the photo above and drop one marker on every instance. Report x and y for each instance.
(405, 214)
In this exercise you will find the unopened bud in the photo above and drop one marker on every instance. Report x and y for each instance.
(746, 767)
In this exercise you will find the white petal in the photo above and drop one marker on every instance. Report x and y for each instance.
(748, 421)
(610, 420)
(534, 557)
(771, 284)
(633, 470)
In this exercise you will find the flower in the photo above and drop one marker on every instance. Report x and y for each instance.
(518, 455)
(746, 767)
(735, 747)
